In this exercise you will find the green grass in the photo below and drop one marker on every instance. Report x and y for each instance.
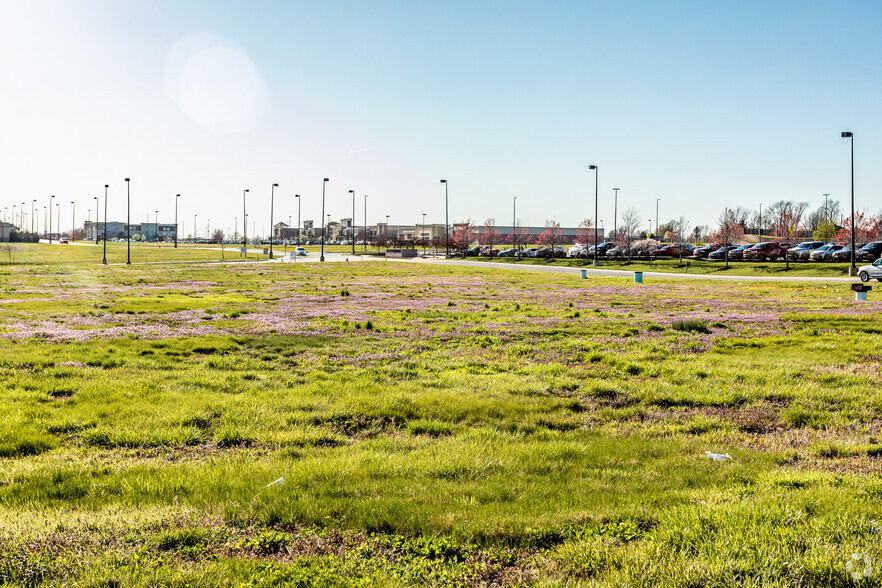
(434, 425)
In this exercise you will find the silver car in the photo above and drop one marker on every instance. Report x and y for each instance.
(865, 272)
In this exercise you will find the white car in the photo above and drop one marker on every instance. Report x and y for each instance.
(300, 251)
(865, 272)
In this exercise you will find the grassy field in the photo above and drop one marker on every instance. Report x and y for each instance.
(432, 425)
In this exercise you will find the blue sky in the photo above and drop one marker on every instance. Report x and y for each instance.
(701, 104)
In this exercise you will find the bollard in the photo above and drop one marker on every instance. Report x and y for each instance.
(638, 277)
(860, 292)
(584, 273)
(860, 296)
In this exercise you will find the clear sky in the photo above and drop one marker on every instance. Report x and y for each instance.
(702, 104)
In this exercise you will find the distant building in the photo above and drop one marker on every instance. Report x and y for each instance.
(117, 230)
(5, 230)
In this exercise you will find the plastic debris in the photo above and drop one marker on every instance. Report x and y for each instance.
(717, 456)
(279, 481)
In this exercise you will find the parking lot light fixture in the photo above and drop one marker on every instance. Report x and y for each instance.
(272, 232)
(596, 173)
(324, 229)
(446, 220)
(852, 271)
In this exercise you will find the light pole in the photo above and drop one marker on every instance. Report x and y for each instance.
(176, 219)
(195, 231)
(51, 202)
(128, 223)
(826, 210)
(73, 219)
(297, 196)
(424, 234)
(104, 260)
(156, 217)
(324, 183)
(244, 224)
(365, 240)
(615, 211)
(446, 220)
(852, 271)
(58, 218)
(596, 173)
(352, 223)
(34, 201)
(97, 216)
(759, 237)
(514, 225)
(272, 233)
(656, 214)
(387, 231)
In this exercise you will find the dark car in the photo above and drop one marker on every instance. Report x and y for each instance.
(706, 250)
(870, 251)
(803, 250)
(601, 248)
(722, 253)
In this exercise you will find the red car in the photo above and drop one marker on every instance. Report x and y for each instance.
(770, 250)
(703, 252)
(674, 250)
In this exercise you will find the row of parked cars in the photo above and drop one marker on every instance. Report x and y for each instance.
(765, 251)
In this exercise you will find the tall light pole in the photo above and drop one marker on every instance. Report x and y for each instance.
(424, 234)
(826, 210)
(656, 215)
(759, 237)
(244, 223)
(352, 223)
(852, 271)
(387, 230)
(58, 218)
(297, 196)
(365, 240)
(446, 220)
(97, 216)
(176, 219)
(272, 234)
(33, 202)
(596, 173)
(104, 260)
(73, 219)
(128, 223)
(324, 183)
(51, 202)
(615, 212)
(514, 225)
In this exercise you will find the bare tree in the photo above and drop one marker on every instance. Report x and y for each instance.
(490, 235)
(585, 232)
(730, 229)
(631, 222)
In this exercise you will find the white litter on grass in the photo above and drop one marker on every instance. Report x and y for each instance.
(717, 456)
(279, 481)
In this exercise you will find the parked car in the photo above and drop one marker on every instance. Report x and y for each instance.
(602, 248)
(508, 252)
(843, 254)
(870, 251)
(529, 252)
(723, 253)
(672, 250)
(300, 251)
(704, 251)
(767, 250)
(874, 270)
(617, 251)
(737, 254)
(803, 250)
(577, 250)
(824, 253)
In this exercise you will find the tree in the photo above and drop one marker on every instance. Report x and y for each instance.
(631, 220)
(551, 236)
(730, 229)
(828, 212)
(490, 235)
(463, 235)
(585, 232)
(518, 237)
(865, 227)
(786, 217)
(217, 236)
(825, 231)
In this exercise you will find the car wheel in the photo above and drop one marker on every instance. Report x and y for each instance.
(773, 257)
(865, 277)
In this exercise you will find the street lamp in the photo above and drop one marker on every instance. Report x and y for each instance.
(352, 222)
(852, 271)
(324, 234)
(51, 202)
(424, 234)
(244, 224)
(297, 196)
(128, 223)
(97, 216)
(34, 201)
(514, 226)
(596, 173)
(73, 219)
(826, 210)
(656, 215)
(176, 219)
(446, 220)
(104, 260)
(58, 218)
(272, 233)
(615, 210)
(759, 237)
(365, 239)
